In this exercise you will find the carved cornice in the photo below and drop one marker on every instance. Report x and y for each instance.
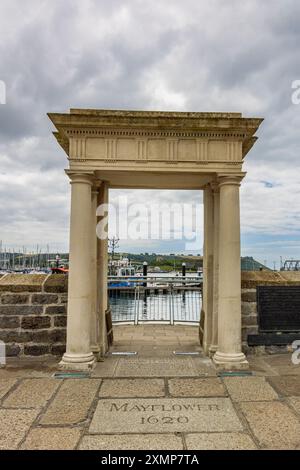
(102, 132)
(63, 141)
(140, 136)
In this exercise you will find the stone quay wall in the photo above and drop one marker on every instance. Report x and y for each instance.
(33, 311)
(33, 314)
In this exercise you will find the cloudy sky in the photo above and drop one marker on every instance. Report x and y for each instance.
(146, 54)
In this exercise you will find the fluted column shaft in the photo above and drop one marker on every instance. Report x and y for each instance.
(208, 268)
(229, 354)
(78, 352)
(102, 266)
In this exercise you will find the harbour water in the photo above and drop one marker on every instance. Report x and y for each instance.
(183, 307)
(164, 297)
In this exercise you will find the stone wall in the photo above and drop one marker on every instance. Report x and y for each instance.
(33, 314)
(33, 310)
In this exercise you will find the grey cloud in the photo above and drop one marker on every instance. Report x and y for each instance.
(213, 55)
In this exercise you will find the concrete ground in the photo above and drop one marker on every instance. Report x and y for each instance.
(155, 400)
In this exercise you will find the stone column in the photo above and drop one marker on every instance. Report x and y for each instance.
(229, 354)
(216, 202)
(78, 354)
(95, 347)
(208, 268)
(102, 265)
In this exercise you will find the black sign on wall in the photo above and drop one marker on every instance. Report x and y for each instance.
(278, 308)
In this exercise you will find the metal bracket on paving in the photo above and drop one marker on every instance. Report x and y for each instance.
(72, 375)
(238, 373)
(123, 353)
(186, 353)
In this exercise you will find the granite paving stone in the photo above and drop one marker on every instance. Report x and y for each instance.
(282, 364)
(204, 366)
(155, 367)
(249, 389)
(273, 424)
(259, 367)
(286, 385)
(106, 368)
(220, 441)
(72, 402)
(197, 387)
(31, 393)
(132, 442)
(132, 388)
(6, 383)
(295, 403)
(52, 439)
(14, 426)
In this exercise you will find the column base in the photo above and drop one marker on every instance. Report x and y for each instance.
(224, 361)
(212, 350)
(205, 348)
(95, 349)
(77, 362)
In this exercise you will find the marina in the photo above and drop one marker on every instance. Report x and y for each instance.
(170, 299)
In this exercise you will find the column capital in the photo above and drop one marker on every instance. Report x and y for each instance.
(207, 186)
(96, 184)
(215, 187)
(230, 179)
(80, 177)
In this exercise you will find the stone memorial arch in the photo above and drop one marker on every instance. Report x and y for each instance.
(155, 150)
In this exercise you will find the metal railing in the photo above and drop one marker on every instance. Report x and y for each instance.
(155, 299)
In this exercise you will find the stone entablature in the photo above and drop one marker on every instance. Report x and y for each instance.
(155, 139)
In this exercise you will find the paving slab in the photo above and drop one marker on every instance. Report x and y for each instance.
(287, 370)
(164, 415)
(106, 368)
(132, 388)
(52, 439)
(72, 402)
(14, 426)
(220, 441)
(155, 367)
(21, 368)
(249, 389)
(18, 373)
(196, 387)
(31, 393)
(6, 383)
(286, 385)
(278, 360)
(273, 424)
(282, 364)
(259, 367)
(204, 367)
(295, 403)
(132, 442)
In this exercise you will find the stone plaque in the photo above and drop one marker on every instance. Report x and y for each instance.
(164, 415)
(278, 308)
